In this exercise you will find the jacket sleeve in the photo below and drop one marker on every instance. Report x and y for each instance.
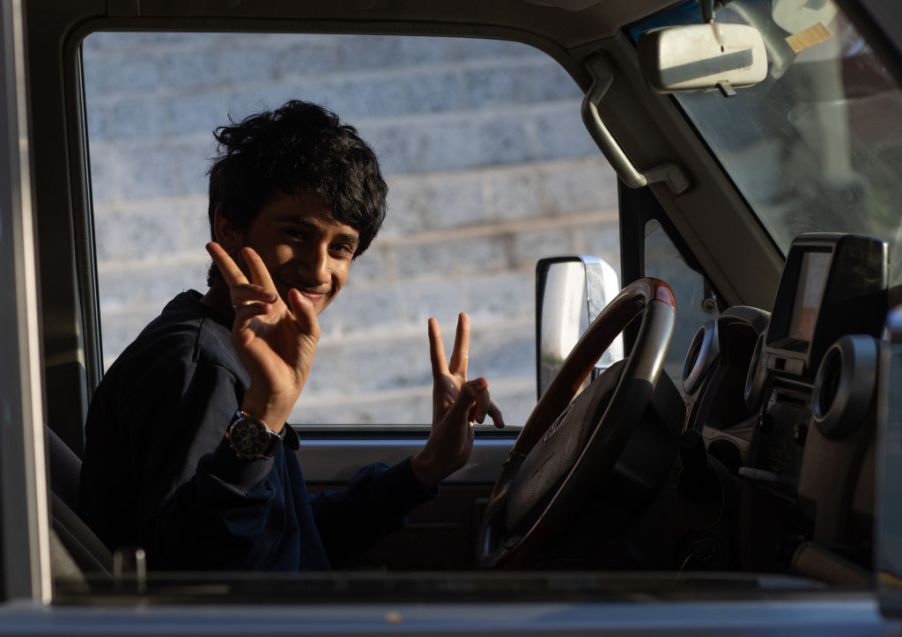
(375, 503)
(200, 507)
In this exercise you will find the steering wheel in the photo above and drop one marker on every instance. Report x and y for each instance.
(569, 446)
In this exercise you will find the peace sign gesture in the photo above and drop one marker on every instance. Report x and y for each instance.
(276, 343)
(456, 404)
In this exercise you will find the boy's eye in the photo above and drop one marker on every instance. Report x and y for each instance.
(344, 248)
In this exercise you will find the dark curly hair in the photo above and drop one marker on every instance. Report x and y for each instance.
(297, 147)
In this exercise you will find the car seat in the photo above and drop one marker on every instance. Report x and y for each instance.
(76, 551)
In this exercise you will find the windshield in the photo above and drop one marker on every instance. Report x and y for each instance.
(816, 146)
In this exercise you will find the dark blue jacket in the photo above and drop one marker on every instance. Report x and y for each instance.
(159, 474)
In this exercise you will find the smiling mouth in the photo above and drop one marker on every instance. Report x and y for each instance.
(313, 296)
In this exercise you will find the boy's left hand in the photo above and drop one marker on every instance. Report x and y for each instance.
(457, 404)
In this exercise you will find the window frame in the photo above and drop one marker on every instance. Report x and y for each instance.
(24, 507)
(86, 245)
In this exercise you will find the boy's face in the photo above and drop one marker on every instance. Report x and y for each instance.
(302, 245)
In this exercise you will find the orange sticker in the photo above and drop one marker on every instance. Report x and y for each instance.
(808, 38)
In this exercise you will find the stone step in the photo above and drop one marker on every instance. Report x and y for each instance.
(135, 64)
(514, 396)
(357, 99)
(406, 283)
(142, 167)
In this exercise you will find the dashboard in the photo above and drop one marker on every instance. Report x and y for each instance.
(786, 402)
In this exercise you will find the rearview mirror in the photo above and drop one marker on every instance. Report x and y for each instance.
(702, 57)
(570, 292)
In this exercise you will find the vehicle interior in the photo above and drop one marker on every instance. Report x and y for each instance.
(728, 443)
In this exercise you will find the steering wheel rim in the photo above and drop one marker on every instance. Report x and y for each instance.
(652, 300)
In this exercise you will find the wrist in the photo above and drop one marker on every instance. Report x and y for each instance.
(425, 470)
(271, 413)
(251, 439)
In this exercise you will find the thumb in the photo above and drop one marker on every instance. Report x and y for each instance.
(469, 394)
(304, 314)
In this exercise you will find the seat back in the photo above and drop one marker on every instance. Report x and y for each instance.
(65, 469)
(84, 547)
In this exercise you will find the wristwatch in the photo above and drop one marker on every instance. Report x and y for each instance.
(250, 438)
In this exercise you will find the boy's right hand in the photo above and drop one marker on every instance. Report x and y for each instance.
(276, 343)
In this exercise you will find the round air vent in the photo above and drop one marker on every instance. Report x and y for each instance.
(844, 386)
(701, 355)
(756, 377)
(727, 453)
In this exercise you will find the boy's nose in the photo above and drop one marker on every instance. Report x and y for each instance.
(315, 267)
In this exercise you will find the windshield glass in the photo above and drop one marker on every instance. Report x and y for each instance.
(816, 146)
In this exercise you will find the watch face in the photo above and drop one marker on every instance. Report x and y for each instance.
(249, 438)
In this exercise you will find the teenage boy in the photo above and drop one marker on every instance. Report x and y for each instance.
(187, 451)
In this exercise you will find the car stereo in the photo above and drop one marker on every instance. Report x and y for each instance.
(832, 284)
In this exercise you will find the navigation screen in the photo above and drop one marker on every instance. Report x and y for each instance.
(809, 291)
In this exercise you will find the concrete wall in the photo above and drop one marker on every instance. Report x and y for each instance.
(489, 169)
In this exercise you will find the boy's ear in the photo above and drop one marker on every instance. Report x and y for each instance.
(226, 234)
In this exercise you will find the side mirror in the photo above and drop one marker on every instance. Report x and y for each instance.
(570, 292)
(703, 57)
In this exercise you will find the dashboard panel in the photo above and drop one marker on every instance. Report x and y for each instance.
(793, 393)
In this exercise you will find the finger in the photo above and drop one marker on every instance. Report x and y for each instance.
(226, 265)
(482, 403)
(466, 400)
(251, 293)
(460, 356)
(437, 350)
(259, 272)
(495, 415)
(244, 315)
(304, 313)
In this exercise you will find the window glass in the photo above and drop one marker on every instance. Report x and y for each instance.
(489, 169)
(816, 146)
(694, 305)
